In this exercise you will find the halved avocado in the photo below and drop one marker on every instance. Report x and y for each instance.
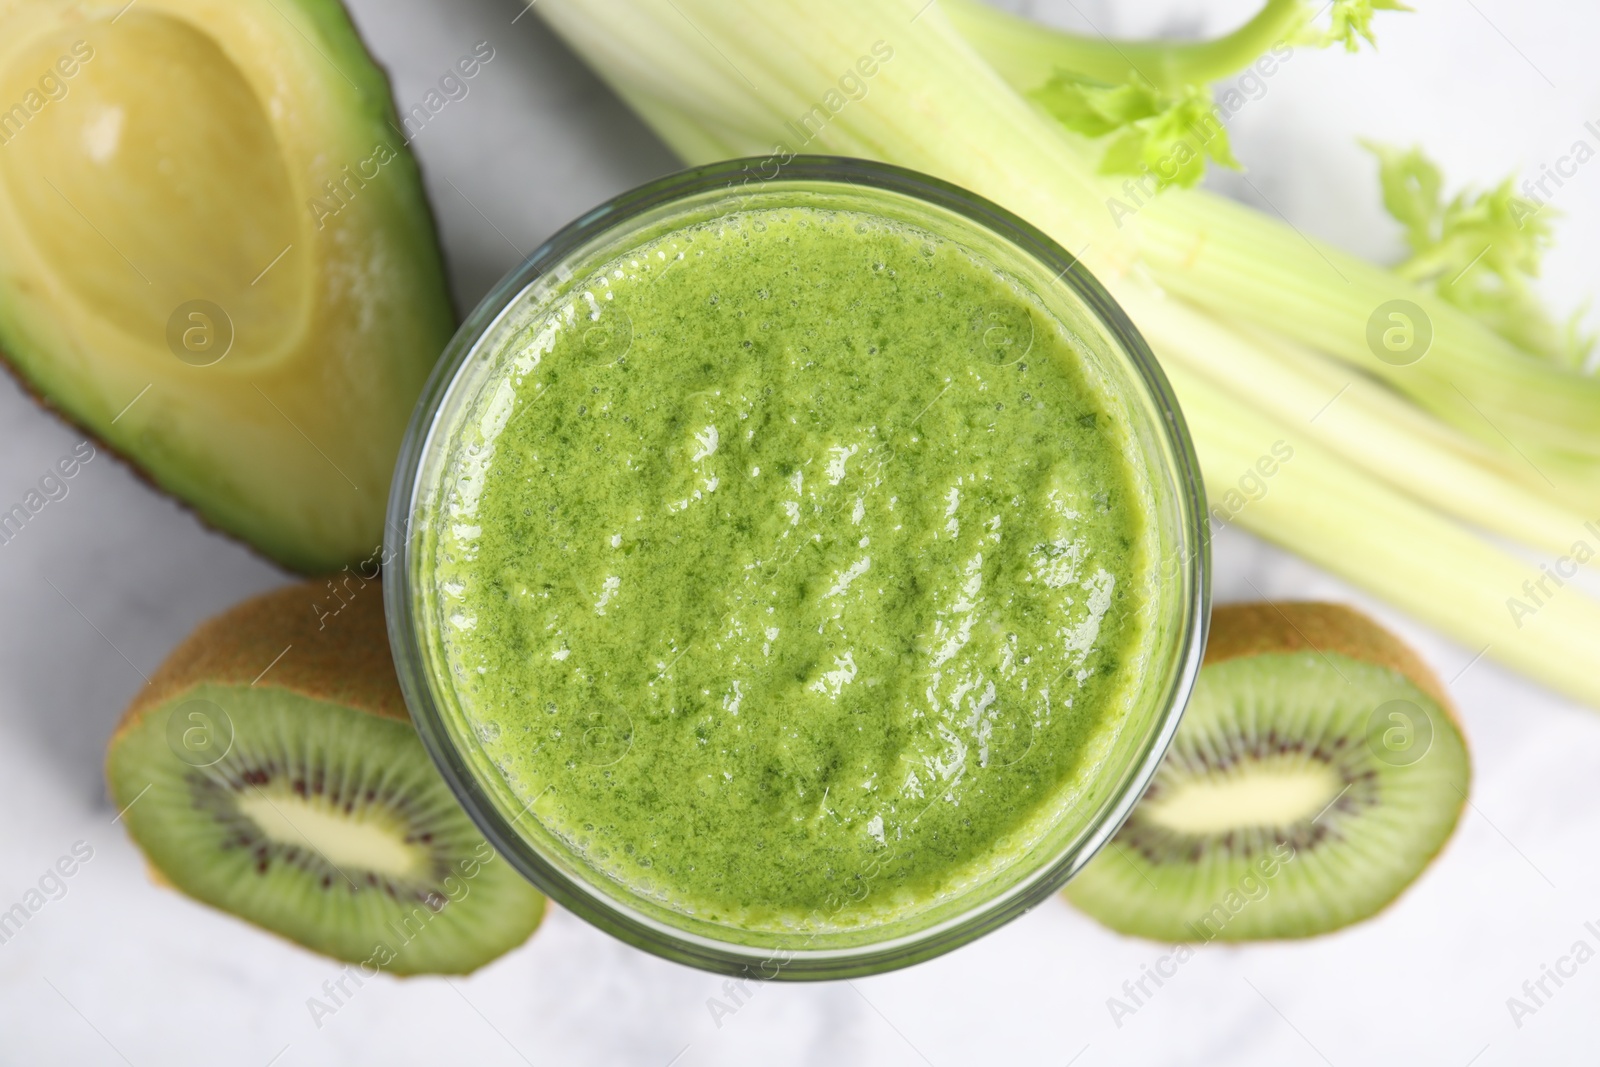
(216, 255)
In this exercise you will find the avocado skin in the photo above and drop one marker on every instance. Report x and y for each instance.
(215, 492)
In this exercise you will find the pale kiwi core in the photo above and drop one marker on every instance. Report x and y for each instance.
(795, 569)
(369, 840)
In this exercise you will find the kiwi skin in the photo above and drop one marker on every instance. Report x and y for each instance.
(1242, 631)
(1258, 629)
(341, 659)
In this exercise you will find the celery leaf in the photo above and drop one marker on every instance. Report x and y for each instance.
(1480, 252)
(1349, 23)
(1167, 135)
(1169, 130)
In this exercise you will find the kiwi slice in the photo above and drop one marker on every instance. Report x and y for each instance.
(1317, 771)
(270, 770)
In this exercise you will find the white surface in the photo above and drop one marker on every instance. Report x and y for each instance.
(122, 971)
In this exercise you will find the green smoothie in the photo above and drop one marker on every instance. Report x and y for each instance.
(795, 570)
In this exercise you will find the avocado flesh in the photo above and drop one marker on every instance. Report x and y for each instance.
(243, 155)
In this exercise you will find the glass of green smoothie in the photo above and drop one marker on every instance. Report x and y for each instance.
(798, 568)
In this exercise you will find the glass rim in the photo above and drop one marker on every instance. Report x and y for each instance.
(634, 926)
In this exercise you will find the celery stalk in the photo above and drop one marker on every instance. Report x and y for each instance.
(1366, 425)
(1030, 55)
(1240, 264)
(1400, 551)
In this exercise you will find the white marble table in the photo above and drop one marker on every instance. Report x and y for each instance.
(122, 971)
